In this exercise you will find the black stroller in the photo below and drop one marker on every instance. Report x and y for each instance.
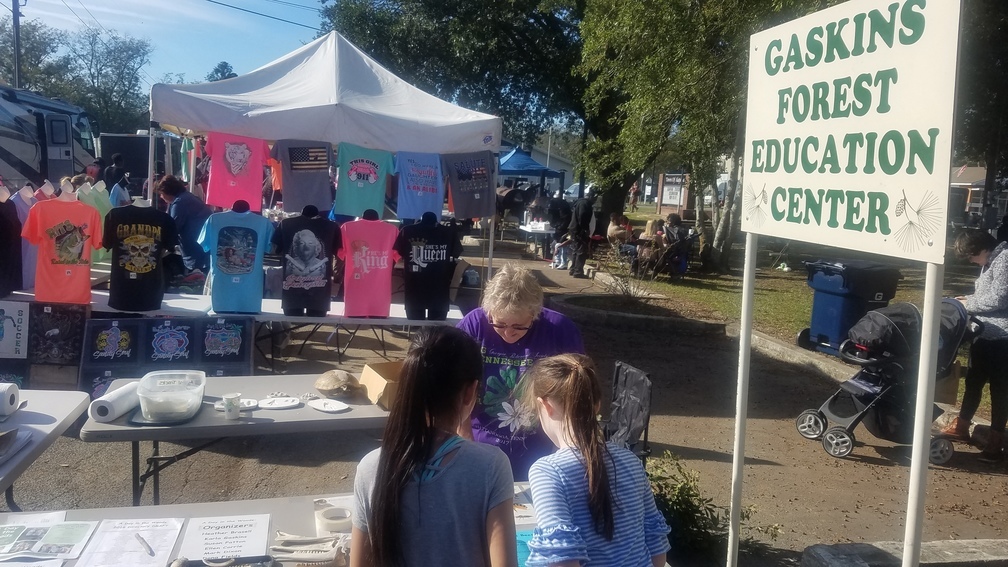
(885, 343)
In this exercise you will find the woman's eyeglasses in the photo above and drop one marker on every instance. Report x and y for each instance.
(502, 326)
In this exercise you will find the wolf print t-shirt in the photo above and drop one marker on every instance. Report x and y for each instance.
(363, 178)
(236, 170)
(66, 232)
(237, 243)
(499, 417)
(367, 249)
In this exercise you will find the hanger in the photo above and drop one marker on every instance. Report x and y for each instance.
(309, 211)
(4, 194)
(26, 192)
(85, 188)
(240, 206)
(67, 192)
(100, 186)
(47, 188)
(429, 219)
(371, 214)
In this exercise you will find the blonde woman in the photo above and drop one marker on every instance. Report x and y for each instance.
(514, 330)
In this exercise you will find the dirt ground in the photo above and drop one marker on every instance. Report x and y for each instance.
(791, 482)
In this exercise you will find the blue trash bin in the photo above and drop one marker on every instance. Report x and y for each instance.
(843, 293)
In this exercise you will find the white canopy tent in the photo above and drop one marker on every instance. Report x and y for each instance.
(331, 91)
(326, 91)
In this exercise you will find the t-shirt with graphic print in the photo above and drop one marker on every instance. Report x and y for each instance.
(137, 238)
(307, 245)
(236, 170)
(304, 173)
(65, 232)
(237, 243)
(470, 178)
(363, 178)
(421, 185)
(499, 417)
(429, 252)
(368, 251)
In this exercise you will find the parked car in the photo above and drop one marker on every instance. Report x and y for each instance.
(571, 193)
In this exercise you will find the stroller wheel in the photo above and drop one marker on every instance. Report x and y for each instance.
(838, 442)
(811, 424)
(941, 451)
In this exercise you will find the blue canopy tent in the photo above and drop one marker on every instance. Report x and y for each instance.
(519, 162)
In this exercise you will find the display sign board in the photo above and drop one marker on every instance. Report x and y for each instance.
(672, 186)
(130, 348)
(849, 127)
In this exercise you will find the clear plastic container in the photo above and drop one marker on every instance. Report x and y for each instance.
(171, 395)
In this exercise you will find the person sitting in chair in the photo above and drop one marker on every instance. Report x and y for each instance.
(621, 235)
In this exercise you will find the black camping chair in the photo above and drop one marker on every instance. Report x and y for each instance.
(630, 411)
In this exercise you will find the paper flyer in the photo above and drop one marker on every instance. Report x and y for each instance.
(524, 513)
(226, 536)
(138, 543)
(44, 541)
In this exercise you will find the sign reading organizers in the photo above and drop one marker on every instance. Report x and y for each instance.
(849, 127)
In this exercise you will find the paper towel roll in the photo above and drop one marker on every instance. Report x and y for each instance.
(11, 398)
(114, 404)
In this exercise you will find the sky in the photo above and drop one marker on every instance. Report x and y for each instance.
(189, 36)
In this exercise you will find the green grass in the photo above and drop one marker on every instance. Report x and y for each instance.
(782, 303)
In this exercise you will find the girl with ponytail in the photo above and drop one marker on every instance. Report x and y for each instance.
(593, 501)
(428, 497)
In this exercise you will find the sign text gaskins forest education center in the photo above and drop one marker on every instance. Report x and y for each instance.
(849, 127)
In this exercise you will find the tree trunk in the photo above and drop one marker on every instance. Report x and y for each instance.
(725, 233)
(701, 225)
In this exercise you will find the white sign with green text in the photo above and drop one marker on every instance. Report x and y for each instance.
(849, 127)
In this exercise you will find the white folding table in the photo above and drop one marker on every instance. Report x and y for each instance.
(210, 423)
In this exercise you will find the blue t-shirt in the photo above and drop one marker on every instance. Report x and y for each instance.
(421, 185)
(237, 243)
(119, 196)
(363, 175)
(564, 527)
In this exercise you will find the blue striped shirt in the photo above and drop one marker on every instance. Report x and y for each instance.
(565, 530)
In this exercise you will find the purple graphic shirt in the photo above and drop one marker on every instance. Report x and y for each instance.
(499, 418)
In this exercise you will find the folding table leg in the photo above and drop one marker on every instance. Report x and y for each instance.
(136, 473)
(9, 495)
(157, 474)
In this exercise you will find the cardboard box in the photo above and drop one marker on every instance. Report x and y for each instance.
(381, 380)
(947, 389)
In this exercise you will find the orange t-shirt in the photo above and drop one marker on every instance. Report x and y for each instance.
(65, 232)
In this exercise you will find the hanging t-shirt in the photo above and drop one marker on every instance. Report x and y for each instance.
(421, 185)
(29, 251)
(363, 175)
(308, 246)
(10, 249)
(41, 196)
(236, 170)
(429, 252)
(305, 174)
(470, 177)
(185, 158)
(367, 249)
(65, 232)
(237, 243)
(137, 237)
(93, 199)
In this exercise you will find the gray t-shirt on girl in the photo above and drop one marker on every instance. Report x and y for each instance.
(445, 524)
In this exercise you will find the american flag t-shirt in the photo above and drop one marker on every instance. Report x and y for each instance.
(309, 158)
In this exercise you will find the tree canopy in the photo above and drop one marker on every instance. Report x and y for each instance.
(222, 71)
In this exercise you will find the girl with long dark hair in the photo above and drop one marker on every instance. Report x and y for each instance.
(429, 497)
(593, 501)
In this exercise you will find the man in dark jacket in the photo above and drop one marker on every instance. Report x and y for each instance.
(580, 232)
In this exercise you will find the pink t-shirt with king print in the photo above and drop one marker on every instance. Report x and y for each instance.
(236, 170)
(367, 277)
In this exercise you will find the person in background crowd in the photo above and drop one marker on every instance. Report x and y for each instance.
(514, 330)
(580, 232)
(426, 484)
(620, 234)
(592, 499)
(989, 353)
(559, 212)
(190, 214)
(634, 197)
(115, 173)
(1002, 231)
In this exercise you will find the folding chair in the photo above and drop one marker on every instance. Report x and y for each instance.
(630, 411)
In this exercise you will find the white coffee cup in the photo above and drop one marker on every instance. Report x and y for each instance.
(232, 405)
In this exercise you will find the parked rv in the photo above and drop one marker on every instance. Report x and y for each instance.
(41, 138)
